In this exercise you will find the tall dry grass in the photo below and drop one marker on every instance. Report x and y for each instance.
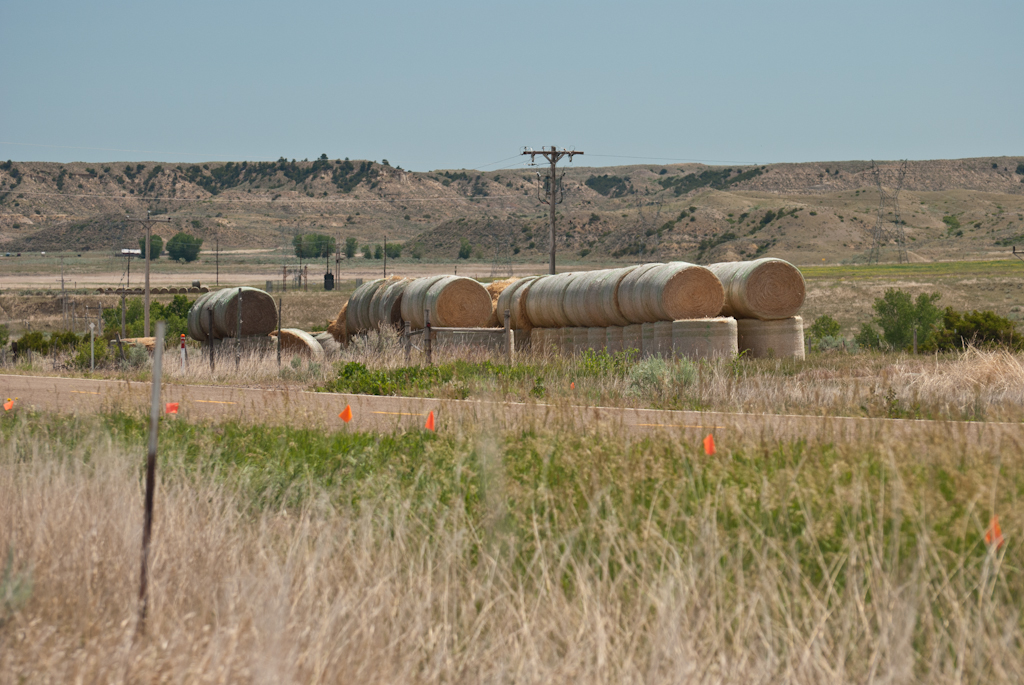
(619, 563)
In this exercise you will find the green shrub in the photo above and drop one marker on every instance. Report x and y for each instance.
(1020, 168)
(5, 334)
(184, 247)
(465, 249)
(156, 242)
(351, 245)
(378, 252)
(393, 250)
(952, 223)
(101, 354)
(984, 329)
(868, 337)
(656, 379)
(135, 357)
(898, 315)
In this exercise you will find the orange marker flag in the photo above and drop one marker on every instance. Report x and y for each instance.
(346, 414)
(9, 404)
(994, 534)
(572, 386)
(709, 444)
(430, 421)
(171, 408)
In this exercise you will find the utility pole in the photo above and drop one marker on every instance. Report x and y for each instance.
(554, 186)
(148, 223)
(385, 257)
(218, 260)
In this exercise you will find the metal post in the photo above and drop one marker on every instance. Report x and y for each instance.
(149, 235)
(280, 304)
(238, 333)
(407, 338)
(209, 334)
(123, 334)
(92, 346)
(915, 338)
(218, 261)
(100, 320)
(147, 525)
(427, 336)
(508, 336)
(184, 354)
(385, 257)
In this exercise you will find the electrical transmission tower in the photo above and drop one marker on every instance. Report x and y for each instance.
(555, 191)
(502, 265)
(886, 231)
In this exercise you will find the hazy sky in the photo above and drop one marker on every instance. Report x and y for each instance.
(431, 85)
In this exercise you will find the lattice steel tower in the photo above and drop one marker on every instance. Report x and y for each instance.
(887, 231)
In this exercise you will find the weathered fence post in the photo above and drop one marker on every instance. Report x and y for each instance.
(407, 338)
(509, 352)
(427, 338)
(280, 304)
(147, 522)
(209, 313)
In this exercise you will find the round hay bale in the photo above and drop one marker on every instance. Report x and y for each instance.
(597, 338)
(705, 338)
(763, 289)
(259, 312)
(414, 301)
(666, 292)
(613, 339)
(656, 339)
(778, 338)
(629, 300)
(337, 327)
(193, 290)
(457, 302)
(330, 346)
(196, 327)
(204, 289)
(495, 289)
(358, 315)
(545, 305)
(386, 308)
(632, 338)
(296, 341)
(591, 299)
(513, 298)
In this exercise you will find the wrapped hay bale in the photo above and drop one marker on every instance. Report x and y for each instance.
(597, 338)
(592, 298)
(666, 292)
(632, 338)
(495, 289)
(613, 339)
(656, 339)
(296, 341)
(778, 338)
(453, 301)
(204, 289)
(513, 298)
(386, 303)
(705, 338)
(763, 289)
(330, 346)
(545, 305)
(357, 318)
(259, 312)
(197, 330)
(337, 327)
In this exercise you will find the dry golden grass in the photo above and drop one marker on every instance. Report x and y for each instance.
(761, 566)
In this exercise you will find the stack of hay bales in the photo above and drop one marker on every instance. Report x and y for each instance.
(495, 289)
(259, 314)
(704, 338)
(764, 296)
(513, 298)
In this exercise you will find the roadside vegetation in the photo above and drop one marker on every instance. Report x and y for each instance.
(469, 556)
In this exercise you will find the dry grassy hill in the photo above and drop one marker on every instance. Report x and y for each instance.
(803, 212)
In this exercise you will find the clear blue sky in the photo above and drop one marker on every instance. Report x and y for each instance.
(431, 85)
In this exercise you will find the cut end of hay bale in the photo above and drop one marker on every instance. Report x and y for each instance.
(296, 341)
(459, 302)
(763, 289)
(688, 291)
(337, 328)
(774, 339)
(495, 289)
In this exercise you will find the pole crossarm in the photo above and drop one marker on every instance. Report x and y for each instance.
(555, 192)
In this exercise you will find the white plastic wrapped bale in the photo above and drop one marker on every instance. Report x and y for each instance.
(295, 341)
(328, 343)
(705, 338)
(777, 339)
(613, 339)
(386, 303)
(763, 289)
(357, 315)
(259, 314)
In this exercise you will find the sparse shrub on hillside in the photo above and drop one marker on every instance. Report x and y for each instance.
(952, 224)
(417, 251)
(184, 247)
(465, 249)
(609, 186)
(1020, 168)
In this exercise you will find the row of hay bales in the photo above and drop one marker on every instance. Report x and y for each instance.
(153, 291)
(761, 290)
(706, 338)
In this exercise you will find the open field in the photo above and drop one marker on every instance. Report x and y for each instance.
(471, 555)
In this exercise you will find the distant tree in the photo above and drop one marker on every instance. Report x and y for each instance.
(367, 252)
(417, 251)
(313, 245)
(156, 242)
(898, 315)
(184, 247)
(465, 249)
(378, 252)
(1020, 168)
(394, 250)
(351, 245)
